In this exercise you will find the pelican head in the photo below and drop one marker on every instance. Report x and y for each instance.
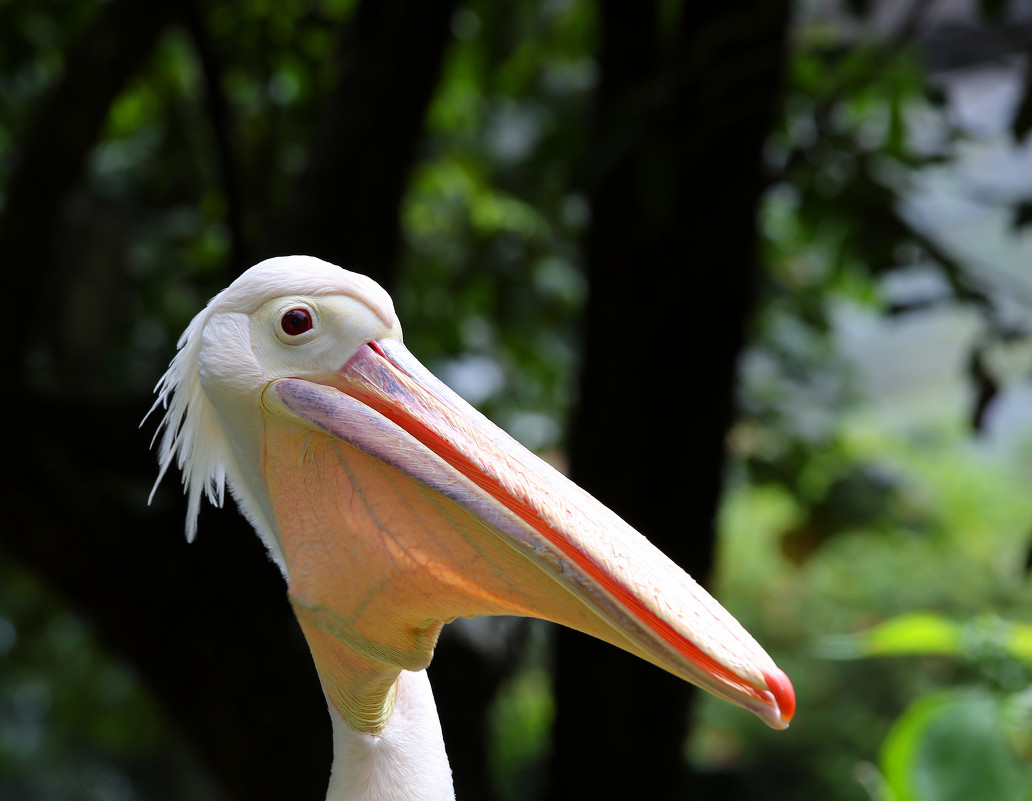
(392, 507)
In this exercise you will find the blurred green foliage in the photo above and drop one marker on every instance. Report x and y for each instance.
(965, 560)
(840, 518)
(954, 744)
(962, 741)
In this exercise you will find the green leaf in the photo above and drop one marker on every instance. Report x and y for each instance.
(1019, 642)
(930, 634)
(912, 634)
(953, 746)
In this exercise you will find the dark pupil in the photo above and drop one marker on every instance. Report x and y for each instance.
(296, 321)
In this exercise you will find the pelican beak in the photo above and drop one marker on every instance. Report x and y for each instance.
(447, 516)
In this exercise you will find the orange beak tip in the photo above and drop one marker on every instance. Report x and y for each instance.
(784, 694)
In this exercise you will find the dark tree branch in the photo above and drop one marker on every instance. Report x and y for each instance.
(345, 207)
(220, 118)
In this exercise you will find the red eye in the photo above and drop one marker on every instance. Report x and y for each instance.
(296, 321)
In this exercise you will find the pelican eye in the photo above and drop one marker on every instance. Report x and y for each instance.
(296, 321)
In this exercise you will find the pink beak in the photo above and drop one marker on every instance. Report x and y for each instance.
(401, 508)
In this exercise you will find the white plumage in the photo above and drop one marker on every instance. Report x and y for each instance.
(392, 507)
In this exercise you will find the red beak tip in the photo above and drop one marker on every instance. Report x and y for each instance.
(784, 694)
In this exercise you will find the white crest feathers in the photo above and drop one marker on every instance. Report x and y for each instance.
(191, 433)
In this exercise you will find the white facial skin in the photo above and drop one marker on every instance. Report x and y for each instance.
(340, 325)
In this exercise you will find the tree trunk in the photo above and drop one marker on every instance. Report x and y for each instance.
(675, 180)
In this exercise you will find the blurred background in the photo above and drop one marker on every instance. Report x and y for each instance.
(757, 274)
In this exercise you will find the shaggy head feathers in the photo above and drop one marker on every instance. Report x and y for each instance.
(191, 432)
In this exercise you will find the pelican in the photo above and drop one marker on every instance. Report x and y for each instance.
(392, 507)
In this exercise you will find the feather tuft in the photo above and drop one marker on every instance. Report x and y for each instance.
(192, 435)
